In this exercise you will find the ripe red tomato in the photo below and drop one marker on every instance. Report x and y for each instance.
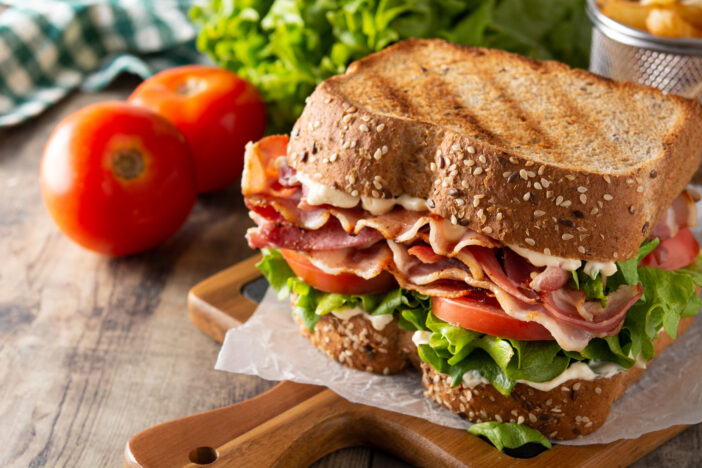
(217, 111)
(674, 253)
(345, 283)
(117, 179)
(485, 318)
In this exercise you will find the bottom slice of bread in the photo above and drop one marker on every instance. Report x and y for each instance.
(576, 407)
(356, 344)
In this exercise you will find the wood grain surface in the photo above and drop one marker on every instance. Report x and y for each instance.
(93, 350)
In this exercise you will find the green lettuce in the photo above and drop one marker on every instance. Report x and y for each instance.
(508, 435)
(311, 304)
(286, 47)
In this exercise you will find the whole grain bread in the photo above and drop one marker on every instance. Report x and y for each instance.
(356, 344)
(531, 153)
(574, 408)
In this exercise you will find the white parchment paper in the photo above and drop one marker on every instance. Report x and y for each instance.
(269, 345)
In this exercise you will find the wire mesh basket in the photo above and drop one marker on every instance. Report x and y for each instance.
(623, 53)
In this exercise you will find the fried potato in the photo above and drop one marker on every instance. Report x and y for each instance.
(628, 13)
(691, 14)
(668, 23)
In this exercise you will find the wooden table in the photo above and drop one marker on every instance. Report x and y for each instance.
(93, 349)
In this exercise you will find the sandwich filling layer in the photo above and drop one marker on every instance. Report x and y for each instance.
(582, 308)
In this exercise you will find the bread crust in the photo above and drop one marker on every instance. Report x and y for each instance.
(575, 408)
(356, 344)
(488, 184)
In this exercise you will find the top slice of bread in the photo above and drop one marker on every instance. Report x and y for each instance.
(532, 153)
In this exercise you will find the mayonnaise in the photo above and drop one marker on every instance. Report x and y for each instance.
(379, 322)
(570, 264)
(319, 194)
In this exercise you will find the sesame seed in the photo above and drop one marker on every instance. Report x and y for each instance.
(482, 158)
(570, 177)
(607, 179)
(523, 174)
(594, 211)
(498, 418)
(432, 166)
(375, 194)
(465, 184)
(549, 194)
(377, 185)
(547, 251)
(365, 118)
(479, 213)
(598, 390)
(576, 386)
(520, 419)
(582, 189)
(352, 178)
(531, 174)
(537, 186)
(541, 170)
(452, 167)
(378, 154)
(539, 213)
(351, 110)
(632, 210)
(559, 200)
(581, 249)
(430, 203)
(487, 230)
(499, 216)
(526, 196)
(553, 434)
(353, 144)
(456, 147)
(530, 241)
(471, 150)
(347, 118)
(566, 204)
(506, 174)
(325, 160)
(567, 236)
(565, 389)
(385, 149)
(380, 128)
(447, 161)
(629, 181)
(363, 128)
(460, 202)
(589, 424)
(469, 162)
(438, 153)
(608, 197)
(532, 417)
(453, 173)
(545, 182)
(453, 219)
(317, 124)
(296, 132)
(583, 198)
(639, 189)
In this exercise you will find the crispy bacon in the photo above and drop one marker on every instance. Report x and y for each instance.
(427, 253)
(682, 213)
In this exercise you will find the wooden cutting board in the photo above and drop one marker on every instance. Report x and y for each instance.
(292, 425)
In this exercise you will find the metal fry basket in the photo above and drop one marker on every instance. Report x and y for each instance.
(623, 53)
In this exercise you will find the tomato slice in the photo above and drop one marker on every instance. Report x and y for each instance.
(676, 252)
(344, 283)
(486, 316)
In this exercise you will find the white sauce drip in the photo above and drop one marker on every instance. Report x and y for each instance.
(379, 322)
(570, 264)
(319, 194)
(577, 370)
(421, 337)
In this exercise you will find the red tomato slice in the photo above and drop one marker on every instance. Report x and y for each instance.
(345, 283)
(674, 253)
(485, 316)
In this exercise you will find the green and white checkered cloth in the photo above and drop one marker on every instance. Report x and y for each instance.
(50, 47)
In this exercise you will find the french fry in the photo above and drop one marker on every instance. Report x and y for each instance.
(668, 23)
(628, 13)
(691, 14)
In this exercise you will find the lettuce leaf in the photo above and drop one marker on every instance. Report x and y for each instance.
(508, 435)
(311, 304)
(285, 47)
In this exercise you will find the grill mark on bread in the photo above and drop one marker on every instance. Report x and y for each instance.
(392, 94)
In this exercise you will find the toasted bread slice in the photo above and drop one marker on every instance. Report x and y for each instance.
(531, 153)
(575, 408)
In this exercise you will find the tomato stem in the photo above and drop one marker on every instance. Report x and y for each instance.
(127, 163)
